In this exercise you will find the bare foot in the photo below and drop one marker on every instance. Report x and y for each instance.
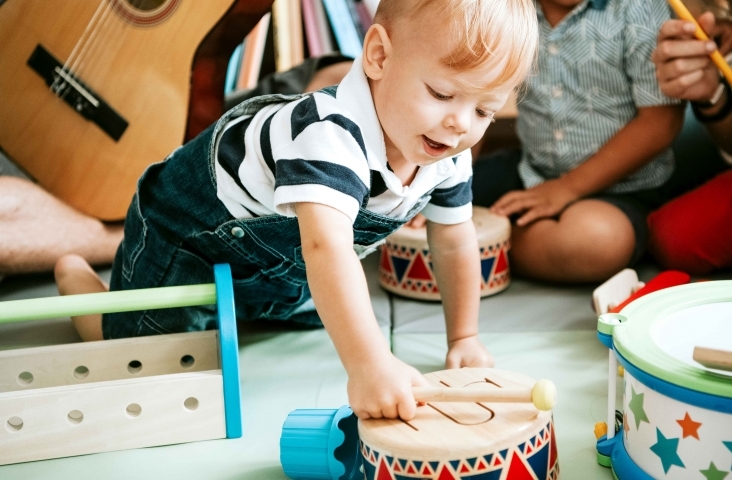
(74, 276)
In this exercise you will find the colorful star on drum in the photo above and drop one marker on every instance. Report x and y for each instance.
(689, 427)
(713, 473)
(666, 448)
(636, 406)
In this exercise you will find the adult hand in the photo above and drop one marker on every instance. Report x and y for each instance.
(546, 200)
(683, 67)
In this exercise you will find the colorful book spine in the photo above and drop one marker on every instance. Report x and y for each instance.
(356, 19)
(297, 48)
(282, 40)
(364, 15)
(312, 34)
(323, 27)
(251, 62)
(344, 29)
(234, 69)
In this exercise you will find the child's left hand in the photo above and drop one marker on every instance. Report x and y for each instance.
(546, 200)
(468, 352)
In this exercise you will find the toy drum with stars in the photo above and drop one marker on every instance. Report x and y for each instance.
(677, 412)
(405, 267)
(450, 440)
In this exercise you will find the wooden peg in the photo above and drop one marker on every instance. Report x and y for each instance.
(543, 395)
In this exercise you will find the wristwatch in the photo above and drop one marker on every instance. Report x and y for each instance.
(718, 94)
(715, 98)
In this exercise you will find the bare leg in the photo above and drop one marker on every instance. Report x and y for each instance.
(74, 276)
(591, 241)
(36, 229)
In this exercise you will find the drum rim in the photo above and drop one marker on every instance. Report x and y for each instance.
(632, 338)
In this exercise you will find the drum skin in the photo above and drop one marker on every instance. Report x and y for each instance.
(461, 441)
(405, 267)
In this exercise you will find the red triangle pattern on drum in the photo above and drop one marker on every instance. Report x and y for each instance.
(384, 473)
(518, 470)
(481, 466)
(385, 263)
(502, 263)
(418, 270)
(464, 468)
(445, 474)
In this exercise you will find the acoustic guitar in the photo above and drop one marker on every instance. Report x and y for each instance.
(94, 91)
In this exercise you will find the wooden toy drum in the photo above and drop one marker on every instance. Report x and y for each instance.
(677, 420)
(461, 441)
(405, 267)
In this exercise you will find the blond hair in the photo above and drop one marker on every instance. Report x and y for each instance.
(503, 33)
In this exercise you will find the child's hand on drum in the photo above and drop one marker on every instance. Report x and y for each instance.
(383, 389)
(468, 352)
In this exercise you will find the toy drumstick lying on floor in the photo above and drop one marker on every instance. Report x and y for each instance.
(716, 57)
(543, 395)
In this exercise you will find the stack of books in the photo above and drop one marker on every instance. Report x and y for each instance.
(297, 29)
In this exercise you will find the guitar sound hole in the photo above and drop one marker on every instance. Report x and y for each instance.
(145, 5)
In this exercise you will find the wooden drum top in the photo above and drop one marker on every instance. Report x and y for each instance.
(458, 430)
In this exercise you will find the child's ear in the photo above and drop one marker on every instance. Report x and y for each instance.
(376, 49)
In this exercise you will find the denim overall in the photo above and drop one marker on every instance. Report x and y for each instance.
(177, 228)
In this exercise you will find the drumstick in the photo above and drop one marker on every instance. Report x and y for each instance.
(543, 395)
(711, 358)
(717, 57)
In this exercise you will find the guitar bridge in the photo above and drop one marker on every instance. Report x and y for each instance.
(74, 92)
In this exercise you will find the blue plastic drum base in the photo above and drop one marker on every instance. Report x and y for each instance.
(623, 467)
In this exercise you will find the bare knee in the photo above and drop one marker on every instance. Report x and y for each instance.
(590, 242)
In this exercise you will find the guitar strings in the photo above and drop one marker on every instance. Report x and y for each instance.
(115, 38)
(69, 66)
(80, 61)
(66, 68)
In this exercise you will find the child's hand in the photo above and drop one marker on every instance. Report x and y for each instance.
(546, 200)
(418, 221)
(384, 389)
(468, 352)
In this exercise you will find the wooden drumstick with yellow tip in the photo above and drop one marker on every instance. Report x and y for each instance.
(543, 395)
(717, 57)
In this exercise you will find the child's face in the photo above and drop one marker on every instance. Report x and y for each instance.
(427, 110)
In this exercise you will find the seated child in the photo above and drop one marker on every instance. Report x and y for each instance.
(595, 131)
(290, 190)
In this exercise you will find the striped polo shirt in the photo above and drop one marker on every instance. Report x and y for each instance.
(594, 73)
(328, 148)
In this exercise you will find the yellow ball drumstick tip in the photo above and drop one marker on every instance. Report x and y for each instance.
(544, 395)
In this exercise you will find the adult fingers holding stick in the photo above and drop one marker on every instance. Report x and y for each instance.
(683, 66)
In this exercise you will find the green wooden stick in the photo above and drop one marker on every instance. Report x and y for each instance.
(107, 302)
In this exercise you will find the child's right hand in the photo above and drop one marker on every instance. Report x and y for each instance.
(383, 389)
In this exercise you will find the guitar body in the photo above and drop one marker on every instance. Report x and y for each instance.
(131, 74)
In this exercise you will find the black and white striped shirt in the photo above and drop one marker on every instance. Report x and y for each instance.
(328, 148)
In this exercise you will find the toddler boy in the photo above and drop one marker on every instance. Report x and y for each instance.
(289, 190)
